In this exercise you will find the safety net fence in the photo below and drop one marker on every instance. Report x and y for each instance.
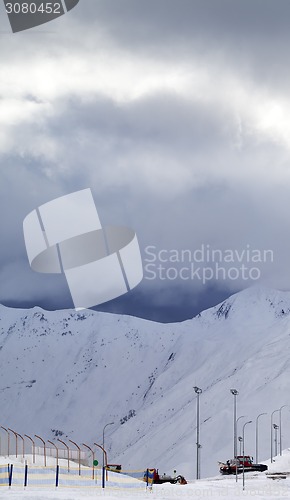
(85, 477)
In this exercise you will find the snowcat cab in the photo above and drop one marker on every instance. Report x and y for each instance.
(239, 464)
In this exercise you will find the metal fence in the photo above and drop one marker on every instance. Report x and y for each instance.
(12, 475)
(62, 453)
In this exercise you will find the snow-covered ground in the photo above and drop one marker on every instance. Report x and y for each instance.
(260, 489)
(257, 485)
(215, 488)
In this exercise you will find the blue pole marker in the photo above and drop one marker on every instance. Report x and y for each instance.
(24, 15)
(103, 477)
(10, 475)
(25, 475)
(57, 476)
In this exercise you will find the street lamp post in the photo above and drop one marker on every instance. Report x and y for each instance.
(198, 391)
(280, 426)
(249, 422)
(257, 435)
(103, 443)
(235, 393)
(272, 414)
(242, 416)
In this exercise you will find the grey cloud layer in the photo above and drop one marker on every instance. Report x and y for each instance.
(175, 113)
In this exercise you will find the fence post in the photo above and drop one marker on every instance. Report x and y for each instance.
(147, 478)
(25, 475)
(10, 475)
(103, 477)
(57, 476)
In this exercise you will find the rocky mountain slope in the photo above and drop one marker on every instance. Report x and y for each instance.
(66, 374)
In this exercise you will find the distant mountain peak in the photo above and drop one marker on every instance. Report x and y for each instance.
(256, 301)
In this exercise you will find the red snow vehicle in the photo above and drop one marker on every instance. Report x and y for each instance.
(157, 479)
(231, 466)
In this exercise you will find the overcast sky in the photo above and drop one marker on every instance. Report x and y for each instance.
(176, 113)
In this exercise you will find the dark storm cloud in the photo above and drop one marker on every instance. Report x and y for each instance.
(189, 18)
(175, 114)
(248, 25)
(250, 36)
(163, 119)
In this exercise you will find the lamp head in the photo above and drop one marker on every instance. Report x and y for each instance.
(197, 390)
(234, 392)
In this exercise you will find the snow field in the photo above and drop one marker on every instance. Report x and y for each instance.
(260, 488)
(257, 485)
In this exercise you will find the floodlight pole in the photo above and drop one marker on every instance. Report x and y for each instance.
(235, 393)
(198, 392)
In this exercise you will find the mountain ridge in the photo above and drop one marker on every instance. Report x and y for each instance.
(72, 372)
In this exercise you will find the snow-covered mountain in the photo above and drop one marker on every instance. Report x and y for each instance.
(67, 374)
